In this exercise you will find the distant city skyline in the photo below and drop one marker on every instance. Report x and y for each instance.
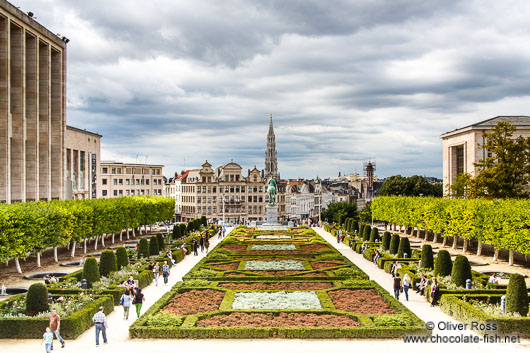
(345, 83)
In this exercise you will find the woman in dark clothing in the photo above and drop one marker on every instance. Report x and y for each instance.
(195, 247)
(397, 286)
(201, 243)
(434, 291)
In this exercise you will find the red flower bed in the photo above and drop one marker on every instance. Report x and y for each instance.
(281, 320)
(319, 265)
(235, 247)
(360, 301)
(194, 301)
(229, 266)
(277, 286)
(314, 247)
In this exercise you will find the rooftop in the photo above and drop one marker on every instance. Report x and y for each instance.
(516, 120)
(130, 164)
(85, 131)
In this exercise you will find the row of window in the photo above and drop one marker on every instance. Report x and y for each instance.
(118, 170)
(132, 192)
(213, 209)
(116, 181)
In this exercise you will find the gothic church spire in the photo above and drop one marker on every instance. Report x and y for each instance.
(271, 161)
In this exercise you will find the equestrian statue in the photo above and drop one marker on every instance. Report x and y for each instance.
(271, 191)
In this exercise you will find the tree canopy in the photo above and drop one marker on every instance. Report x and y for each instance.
(339, 211)
(415, 185)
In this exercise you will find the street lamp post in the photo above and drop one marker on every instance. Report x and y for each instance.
(223, 209)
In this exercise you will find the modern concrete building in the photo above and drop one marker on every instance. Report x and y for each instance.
(462, 148)
(129, 179)
(82, 163)
(32, 108)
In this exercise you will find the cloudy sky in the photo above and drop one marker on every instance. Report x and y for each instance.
(184, 81)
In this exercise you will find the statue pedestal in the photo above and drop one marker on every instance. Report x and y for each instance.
(272, 214)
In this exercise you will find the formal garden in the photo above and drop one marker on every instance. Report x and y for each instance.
(286, 283)
(464, 293)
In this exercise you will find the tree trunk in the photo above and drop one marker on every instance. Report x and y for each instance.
(134, 234)
(38, 259)
(113, 238)
(466, 243)
(435, 237)
(103, 240)
(17, 264)
(140, 230)
(68, 246)
(84, 246)
(127, 233)
(55, 254)
(496, 255)
(455, 241)
(510, 258)
(444, 242)
(73, 249)
(121, 235)
(96, 243)
(479, 249)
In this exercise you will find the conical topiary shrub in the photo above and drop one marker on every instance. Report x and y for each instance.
(404, 247)
(394, 244)
(122, 259)
(91, 271)
(153, 246)
(366, 232)
(517, 295)
(161, 244)
(107, 263)
(176, 232)
(427, 260)
(183, 229)
(374, 235)
(143, 248)
(354, 226)
(37, 299)
(461, 271)
(443, 265)
(386, 240)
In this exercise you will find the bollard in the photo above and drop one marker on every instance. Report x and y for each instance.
(405, 256)
(469, 284)
(503, 304)
(141, 255)
(84, 284)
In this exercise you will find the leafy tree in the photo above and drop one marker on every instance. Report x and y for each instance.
(517, 295)
(122, 259)
(365, 215)
(338, 211)
(91, 271)
(461, 271)
(415, 185)
(443, 266)
(37, 299)
(506, 173)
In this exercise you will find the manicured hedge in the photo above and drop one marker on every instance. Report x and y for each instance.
(71, 326)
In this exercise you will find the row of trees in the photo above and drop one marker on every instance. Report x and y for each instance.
(415, 185)
(505, 224)
(338, 212)
(31, 227)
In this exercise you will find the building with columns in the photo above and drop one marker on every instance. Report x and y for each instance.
(81, 163)
(32, 109)
(462, 148)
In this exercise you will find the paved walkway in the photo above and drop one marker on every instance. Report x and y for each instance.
(120, 341)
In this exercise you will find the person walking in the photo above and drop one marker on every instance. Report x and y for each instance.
(55, 326)
(219, 233)
(201, 242)
(138, 301)
(47, 339)
(195, 247)
(406, 285)
(101, 325)
(397, 286)
(224, 231)
(165, 272)
(434, 291)
(206, 244)
(156, 272)
(126, 301)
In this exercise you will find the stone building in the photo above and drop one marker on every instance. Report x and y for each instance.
(220, 194)
(462, 148)
(129, 179)
(82, 163)
(271, 156)
(32, 108)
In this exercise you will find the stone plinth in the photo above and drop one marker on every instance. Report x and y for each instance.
(272, 214)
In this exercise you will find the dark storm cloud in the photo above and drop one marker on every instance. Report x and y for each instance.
(345, 80)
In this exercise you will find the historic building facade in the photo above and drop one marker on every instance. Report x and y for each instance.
(81, 163)
(462, 148)
(118, 179)
(271, 157)
(32, 108)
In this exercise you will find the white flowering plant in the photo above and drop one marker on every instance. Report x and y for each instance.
(273, 247)
(276, 300)
(274, 265)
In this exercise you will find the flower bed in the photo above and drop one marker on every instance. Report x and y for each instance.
(194, 301)
(281, 320)
(360, 301)
(273, 237)
(276, 300)
(277, 286)
(274, 265)
(320, 265)
(228, 266)
(273, 247)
